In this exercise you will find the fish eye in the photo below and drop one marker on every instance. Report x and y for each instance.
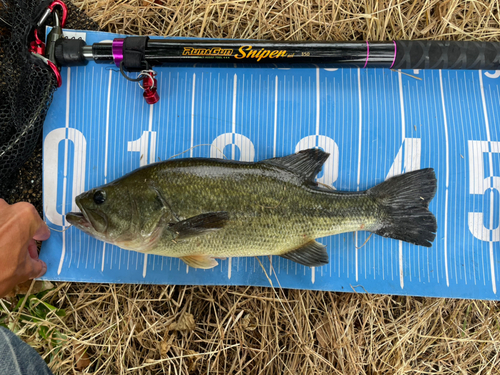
(99, 197)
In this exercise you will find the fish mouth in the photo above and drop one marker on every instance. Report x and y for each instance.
(79, 220)
(89, 220)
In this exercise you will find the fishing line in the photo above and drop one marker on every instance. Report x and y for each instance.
(57, 230)
(406, 74)
(327, 186)
(364, 243)
(203, 144)
(112, 69)
(53, 229)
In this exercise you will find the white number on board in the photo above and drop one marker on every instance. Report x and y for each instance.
(493, 75)
(408, 157)
(142, 145)
(480, 185)
(245, 145)
(51, 161)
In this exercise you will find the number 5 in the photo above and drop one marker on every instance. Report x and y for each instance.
(478, 184)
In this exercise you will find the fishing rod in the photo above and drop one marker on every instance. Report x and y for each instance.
(137, 53)
(141, 54)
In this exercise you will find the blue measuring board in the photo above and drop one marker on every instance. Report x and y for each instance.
(374, 123)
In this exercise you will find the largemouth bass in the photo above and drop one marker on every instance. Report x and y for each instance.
(201, 209)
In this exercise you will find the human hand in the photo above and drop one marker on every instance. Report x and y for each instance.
(20, 227)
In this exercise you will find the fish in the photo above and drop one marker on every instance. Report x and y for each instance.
(203, 209)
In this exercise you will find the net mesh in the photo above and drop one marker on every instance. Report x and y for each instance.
(26, 83)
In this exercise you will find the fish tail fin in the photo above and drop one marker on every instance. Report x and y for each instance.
(404, 202)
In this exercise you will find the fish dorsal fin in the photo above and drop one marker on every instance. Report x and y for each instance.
(306, 163)
(311, 254)
(199, 225)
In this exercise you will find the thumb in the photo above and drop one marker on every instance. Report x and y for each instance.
(42, 232)
(38, 268)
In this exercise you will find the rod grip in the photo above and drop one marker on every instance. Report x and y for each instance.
(425, 54)
(69, 52)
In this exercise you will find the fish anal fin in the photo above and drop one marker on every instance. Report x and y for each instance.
(311, 254)
(200, 261)
(306, 163)
(199, 225)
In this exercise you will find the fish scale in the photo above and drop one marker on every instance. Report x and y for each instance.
(267, 217)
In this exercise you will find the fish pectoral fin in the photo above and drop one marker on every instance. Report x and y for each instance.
(199, 225)
(200, 261)
(311, 254)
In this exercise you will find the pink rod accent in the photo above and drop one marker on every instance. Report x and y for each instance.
(367, 53)
(117, 49)
(395, 52)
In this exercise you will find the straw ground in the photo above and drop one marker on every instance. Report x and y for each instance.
(138, 329)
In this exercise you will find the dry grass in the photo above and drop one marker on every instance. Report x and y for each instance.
(135, 329)
(143, 329)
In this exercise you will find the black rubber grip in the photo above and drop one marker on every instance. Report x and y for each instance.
(423, 54)
(69, 52)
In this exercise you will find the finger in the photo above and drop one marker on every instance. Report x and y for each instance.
(43, 232)
(28, 214)
(39, 267)
(33, 249)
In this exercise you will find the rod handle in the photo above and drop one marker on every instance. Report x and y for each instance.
(425, 54)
